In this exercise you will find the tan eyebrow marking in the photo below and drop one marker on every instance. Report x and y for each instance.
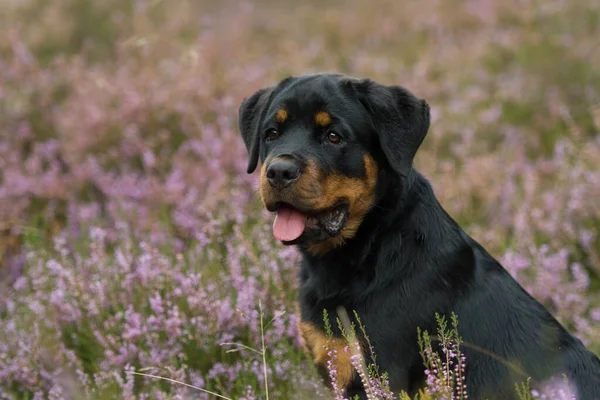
(281, 115)
(323, 118)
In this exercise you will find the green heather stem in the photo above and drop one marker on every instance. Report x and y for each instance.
(264, 351)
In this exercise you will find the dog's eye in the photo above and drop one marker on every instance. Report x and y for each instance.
(334, 138)
(271, 134)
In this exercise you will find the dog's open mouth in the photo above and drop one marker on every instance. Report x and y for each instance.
(290, 223)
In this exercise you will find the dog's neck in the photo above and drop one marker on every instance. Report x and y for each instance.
(407, 210)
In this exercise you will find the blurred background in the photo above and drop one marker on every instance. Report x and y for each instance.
(131, 236)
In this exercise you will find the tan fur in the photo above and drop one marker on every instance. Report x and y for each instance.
(263, 184)
(281, 115)
(318, 345)
(322, 118)
(361, 195)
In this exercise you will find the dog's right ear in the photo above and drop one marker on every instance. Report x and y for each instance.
(251, 114)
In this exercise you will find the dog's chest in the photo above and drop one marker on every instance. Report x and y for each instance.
(343, 275)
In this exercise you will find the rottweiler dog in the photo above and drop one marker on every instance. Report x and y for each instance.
(336, 157)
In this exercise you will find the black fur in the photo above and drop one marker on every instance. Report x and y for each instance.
(409, 259)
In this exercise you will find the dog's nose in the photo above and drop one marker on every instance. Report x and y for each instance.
(281, 173)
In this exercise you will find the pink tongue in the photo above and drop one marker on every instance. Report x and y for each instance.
(289, 224)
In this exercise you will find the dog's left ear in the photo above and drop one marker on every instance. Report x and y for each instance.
(250, 115)
(400, 119)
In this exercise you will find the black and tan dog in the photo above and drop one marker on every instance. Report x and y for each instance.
(336, 155)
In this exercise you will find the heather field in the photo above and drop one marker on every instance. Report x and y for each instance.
(132, 239)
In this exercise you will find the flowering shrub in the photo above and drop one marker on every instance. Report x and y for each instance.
(132, 239)
(445, 372)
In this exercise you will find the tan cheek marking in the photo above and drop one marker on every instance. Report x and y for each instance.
(308, 188)
(322, 118)
(361, 195)
(263, 186)
(263, 183)
(281, 115)
(317, 345)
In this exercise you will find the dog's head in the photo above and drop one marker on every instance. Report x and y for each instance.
(323, 141)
